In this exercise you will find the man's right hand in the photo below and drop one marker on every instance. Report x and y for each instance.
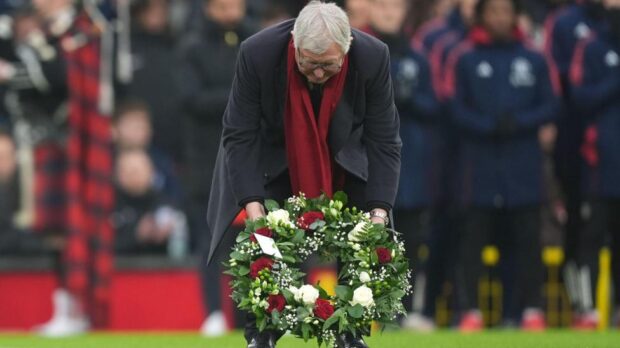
(254, 210)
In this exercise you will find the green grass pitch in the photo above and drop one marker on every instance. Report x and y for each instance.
(441, 339)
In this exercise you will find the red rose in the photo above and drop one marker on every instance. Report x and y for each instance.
(265, 231)
(384, 254)
(309, 218)
(259, 265)
(323, 309)
(276, 303)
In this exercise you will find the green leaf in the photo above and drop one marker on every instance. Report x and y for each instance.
(262, 323)
(299, 236)
(288, 258)
(344, 293)
(305, 331)
(343, 324)
(235, 255)
(342, 197)
(397, 294)
(333, 319)
(243, 270)
(275, 317)
(302, 313)
(356, 311)
(290, 299)
(271, 205)
(322, 293)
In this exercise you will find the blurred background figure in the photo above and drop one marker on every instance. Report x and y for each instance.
(153, 63)
(145, 223)
(501, 93)
(359, 12)
(418, 108)
(133, 131)
(206, 71)
(595, 85)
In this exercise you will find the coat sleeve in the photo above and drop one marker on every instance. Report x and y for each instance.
(547, 106)
(594, 81)
(424, 99)
(464, 115)
(240, 137)
(381, 136)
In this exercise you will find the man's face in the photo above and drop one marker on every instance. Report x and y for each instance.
(133, 130)
(8, 162)
(611, 4)
(358, 11)
(318, 68)
(227, 13)
(154, 18)
(134, 173)
(468, 9)
(48, 8)
(388, 16)
(499, 18)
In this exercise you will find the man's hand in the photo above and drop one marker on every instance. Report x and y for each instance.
(379, 219)
(254, 210)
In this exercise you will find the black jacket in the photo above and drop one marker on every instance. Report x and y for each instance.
(204, 79)
(363, 136)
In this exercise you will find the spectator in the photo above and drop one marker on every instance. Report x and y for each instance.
(133, 130)
(501, 93)
(144, 223)
(418, 108)
(152, 50)
(359, 12)
(595, 79)
(205, 77)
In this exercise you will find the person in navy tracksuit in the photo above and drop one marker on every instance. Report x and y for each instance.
(501, 92)
(418, 107)
(564, 27)
(595, 81)
(433, 40)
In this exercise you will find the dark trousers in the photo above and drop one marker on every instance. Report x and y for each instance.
(601, 227)
(519, 232)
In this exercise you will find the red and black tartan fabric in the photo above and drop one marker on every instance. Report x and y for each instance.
(90, 194)
(49, 186)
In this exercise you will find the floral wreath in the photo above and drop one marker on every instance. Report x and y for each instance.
(267, 280)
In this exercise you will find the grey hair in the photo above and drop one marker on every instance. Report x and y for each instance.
(321, 24)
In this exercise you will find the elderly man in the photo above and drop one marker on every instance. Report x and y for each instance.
(312, 110)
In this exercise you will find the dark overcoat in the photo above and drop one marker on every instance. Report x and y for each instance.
(363, 134)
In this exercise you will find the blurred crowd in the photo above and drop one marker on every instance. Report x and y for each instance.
(510, 121)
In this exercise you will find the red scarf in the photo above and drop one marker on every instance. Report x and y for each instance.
(310, 163)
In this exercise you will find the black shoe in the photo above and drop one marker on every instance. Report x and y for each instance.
(348, 341)
(264, 339)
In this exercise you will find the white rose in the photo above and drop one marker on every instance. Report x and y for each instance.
(364, 277)
(296, 293)
(278, 217)
(309, 294)
(363, 296)
(354, 235)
